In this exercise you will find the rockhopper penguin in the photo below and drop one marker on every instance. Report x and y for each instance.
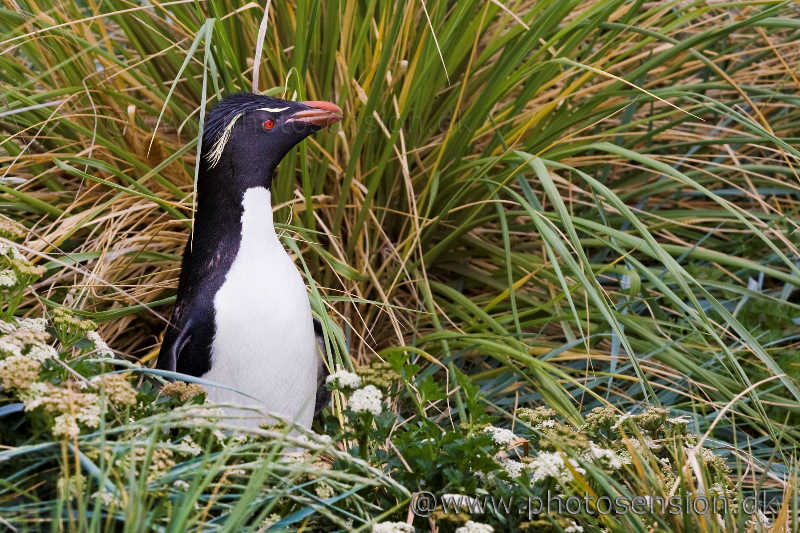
(242, 317)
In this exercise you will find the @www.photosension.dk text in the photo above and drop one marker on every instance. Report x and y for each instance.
(424, 503)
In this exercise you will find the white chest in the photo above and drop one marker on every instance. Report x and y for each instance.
(264, 345)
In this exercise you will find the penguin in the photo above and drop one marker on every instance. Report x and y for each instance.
(242, 318)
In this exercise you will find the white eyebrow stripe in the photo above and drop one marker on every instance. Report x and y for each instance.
(273, 109)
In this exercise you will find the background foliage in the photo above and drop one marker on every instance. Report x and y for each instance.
(579, 203)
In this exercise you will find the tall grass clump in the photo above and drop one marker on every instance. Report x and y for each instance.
(582, 206)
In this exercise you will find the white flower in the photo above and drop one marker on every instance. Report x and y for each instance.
(574, 528)
(512, 467)
(610, 458)
(89, 414)
(36, 324)
(8, 278)
(501, 436)
(544, 424)
(66, 426)
(475, 527)
(344, 379)
(323, 490)
(180, 484)
(99, 344)
(10, 347)
(36, 395)
(392, 527)
(367, 399)
(40, 352)
(19, 372)
(551, 464)
(108, 498)
(188, 445)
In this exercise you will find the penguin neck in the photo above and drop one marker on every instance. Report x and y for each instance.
(257, 225)
(224, 212)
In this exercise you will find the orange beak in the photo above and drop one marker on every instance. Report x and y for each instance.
(321, 113)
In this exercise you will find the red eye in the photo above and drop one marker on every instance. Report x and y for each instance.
(269, 124)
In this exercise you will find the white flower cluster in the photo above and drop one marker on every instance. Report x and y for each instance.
(19, 372)
(115, 387)
(108, 498)
(66, 426)
(343, 379)
(8, 278)
(40, 352)
(367, 400)
(551, 464)
(544, 465)
(513, 468)
(475, 527)
(33, 324)
(392, 527)
(28, 337)
(501, 436)
(99, 344)
(189, 446)
(10, 347)
(573, 528)
(604, 455)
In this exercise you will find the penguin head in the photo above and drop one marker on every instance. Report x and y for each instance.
(246, 135)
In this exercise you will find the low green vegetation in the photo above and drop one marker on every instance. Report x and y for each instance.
(553, 245)
(86, 448)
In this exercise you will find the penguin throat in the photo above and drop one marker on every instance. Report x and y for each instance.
(257, 222)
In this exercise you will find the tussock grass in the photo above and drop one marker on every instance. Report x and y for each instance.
(579, 203)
